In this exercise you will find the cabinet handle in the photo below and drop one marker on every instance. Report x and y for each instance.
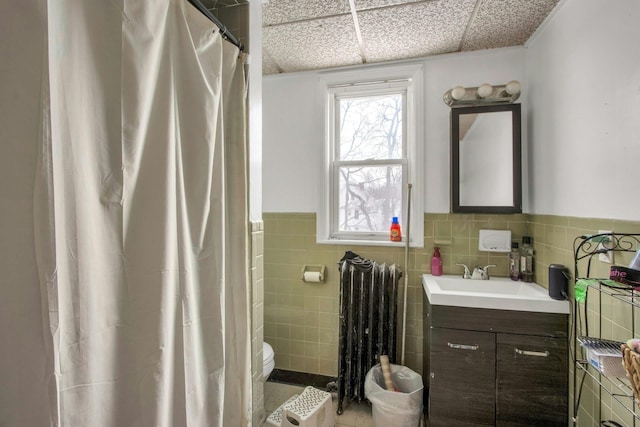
(532, 353)
(463, 346)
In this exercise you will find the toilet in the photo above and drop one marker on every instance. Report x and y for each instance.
(268, 360)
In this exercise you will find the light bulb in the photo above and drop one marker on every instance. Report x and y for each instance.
(484, 90)
(458, 92)
(513, 87)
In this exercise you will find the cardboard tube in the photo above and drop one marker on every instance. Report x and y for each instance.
(386, 372)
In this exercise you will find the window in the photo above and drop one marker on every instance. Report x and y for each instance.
(369, 165)
(371, 152)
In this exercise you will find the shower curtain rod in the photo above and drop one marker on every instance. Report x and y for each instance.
(223, 30)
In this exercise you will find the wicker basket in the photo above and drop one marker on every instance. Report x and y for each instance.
(631, 363)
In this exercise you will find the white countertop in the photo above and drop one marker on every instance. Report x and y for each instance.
(498, 293)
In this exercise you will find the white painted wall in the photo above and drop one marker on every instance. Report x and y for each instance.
(255, 111)
(293, 139)
(584, 111)
(293, 143)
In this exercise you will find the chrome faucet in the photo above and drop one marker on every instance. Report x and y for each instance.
(481, 273)
(467, 273)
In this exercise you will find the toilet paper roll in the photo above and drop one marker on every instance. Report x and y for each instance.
(312, 276)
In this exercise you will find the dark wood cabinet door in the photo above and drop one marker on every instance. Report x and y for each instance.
(463, 383)
(532, 381)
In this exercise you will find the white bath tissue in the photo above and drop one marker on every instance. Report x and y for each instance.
(312, 276)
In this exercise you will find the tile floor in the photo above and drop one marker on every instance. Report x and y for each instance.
(354, 414)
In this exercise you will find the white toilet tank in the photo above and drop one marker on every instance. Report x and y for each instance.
(268, 360)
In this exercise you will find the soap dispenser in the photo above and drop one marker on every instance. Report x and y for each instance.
(436, 262)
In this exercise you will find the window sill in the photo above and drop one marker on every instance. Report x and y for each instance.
(382, 243)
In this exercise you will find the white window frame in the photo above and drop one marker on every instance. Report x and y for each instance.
(372, 81)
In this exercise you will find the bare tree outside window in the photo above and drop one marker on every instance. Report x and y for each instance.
(370, 153)
(372, 133)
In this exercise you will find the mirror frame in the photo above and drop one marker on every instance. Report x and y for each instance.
(516, 159)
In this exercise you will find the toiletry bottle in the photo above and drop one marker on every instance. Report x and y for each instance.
(526, 260)
(514, 262)
(395, 233)
(436, 262)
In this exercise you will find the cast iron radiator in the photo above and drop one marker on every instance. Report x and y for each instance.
(368, 305)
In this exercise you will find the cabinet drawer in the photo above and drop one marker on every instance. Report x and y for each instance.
(462, 378)
(532, 381)
(507, 321)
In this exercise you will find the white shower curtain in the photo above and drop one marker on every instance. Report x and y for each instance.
(140, 218)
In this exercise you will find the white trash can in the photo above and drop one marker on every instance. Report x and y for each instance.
(401, 408)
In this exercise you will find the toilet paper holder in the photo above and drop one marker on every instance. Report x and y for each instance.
(313, 273)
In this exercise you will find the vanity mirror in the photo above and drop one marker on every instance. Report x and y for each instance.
(486, 170)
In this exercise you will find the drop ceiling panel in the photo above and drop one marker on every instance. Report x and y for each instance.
(414, 30)
(268, 65)
(320, 43)
(501, 23)
(280, 11)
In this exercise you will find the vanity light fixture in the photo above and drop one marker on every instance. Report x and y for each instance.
(484, 94)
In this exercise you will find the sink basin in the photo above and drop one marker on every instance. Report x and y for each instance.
(497, 293)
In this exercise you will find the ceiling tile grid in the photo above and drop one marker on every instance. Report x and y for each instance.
(312, 34)
(414, 30)
(370, 4)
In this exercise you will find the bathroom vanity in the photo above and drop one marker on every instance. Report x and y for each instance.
(495, 353)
